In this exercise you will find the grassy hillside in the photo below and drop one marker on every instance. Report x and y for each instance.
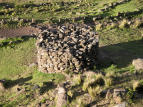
(120, 26)
(16, 13)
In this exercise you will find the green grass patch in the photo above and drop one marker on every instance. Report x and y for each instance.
(127, 7)
(16, 57)
(40, 77)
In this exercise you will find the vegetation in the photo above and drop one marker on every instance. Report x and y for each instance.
(120, 28)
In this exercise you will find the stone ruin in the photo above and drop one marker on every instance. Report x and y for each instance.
(64, 47)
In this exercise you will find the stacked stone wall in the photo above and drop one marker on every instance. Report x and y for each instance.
(66, 47)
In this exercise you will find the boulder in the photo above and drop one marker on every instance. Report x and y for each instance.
(119, 95)
(138, 64)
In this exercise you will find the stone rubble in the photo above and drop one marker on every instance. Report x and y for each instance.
(66, 47)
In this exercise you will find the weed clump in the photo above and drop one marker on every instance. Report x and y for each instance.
(93, 92)
(92, 81)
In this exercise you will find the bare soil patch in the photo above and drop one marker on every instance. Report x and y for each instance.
(23, 31)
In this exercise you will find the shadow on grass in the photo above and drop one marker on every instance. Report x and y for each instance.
(121, 54)
(11, 42)
(20, 81)
(7, 5)
(47, 86)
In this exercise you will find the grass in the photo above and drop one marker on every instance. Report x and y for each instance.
(16, 55)
(55, 11)
(39, 77)
(128, 7)
(122, 45)
(15, 58)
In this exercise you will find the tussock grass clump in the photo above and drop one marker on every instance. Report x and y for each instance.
(110, 74)
(123, 23)
(70, 93)
(99, 79)
(137, 23)
(77, 80)
(94, 80)
(87, 83)
(108, 82)
(99, 26)
(112, 26)
(135, 84)
(109, 78)
(80, 103)
(138, 86)
(93, 92)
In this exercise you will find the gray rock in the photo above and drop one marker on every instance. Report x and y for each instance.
(118, 92)
(123, 104)
(138, 64)
(61, 97)
(119, 95)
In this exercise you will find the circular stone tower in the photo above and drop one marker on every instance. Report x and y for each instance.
(66, 47)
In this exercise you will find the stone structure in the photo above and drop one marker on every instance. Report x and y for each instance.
(68, 46)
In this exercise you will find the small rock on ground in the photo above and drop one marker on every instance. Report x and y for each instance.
(33, 64)
(123, 104)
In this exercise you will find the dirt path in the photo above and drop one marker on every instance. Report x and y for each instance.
(24, 31)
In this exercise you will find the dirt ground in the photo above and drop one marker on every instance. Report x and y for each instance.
(23, 31)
